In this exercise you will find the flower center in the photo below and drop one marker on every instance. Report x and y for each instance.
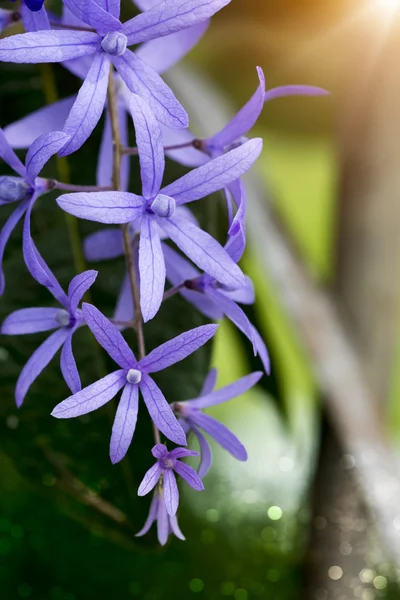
(167, 463)
(114, 43)
(163, 206)
(13, 189)
(134, 376)
(63, 318)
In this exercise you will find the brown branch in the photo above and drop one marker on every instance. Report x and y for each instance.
(337, 368)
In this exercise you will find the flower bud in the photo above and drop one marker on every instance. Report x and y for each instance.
(114, 43)
(134, 376)
(13, 189)
(63, 318)
(163, 206)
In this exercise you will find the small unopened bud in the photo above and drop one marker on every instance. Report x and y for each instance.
(134, 376)
(163, 206)
(12, 189)
(63, 318)
(114, 43)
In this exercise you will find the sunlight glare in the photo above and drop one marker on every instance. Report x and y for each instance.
(387, 6)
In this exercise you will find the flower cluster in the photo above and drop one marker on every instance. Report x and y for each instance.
(90, 41)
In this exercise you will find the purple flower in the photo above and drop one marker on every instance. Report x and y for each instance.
(166, 524)
(33, 15)
(193, 419)
(213, 299)
(65, 321)
(108, 45)
(25, 190)
(167, 463)
(33, 5)
(234, 133)
(132, 376)
(157, 208)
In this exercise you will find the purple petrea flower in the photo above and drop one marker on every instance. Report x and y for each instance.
(108, 45)
(25, 190)
(65, 320)
(33, 5)
(157, 208)
(33, 15)
(233, 134)
(167, 463)
(166, 524)
(132, 376)
(193, 419)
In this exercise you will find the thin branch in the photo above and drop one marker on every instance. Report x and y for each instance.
(59, 185)
(337, 367)
(193, 143)
(128, 250)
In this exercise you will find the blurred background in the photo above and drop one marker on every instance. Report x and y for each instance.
(291, 523)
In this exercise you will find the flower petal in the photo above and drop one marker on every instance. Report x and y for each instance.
(8, 155)
(163, 520)
(216, 174)
(151, 517)
(209, 382)
(161, 412)
(34, 20)
(111, 6)
(169, 16)
(22, 133)
(103, 207)
(173, 521)
(124, 310)
(245, 119)
(41, 151)
(79, 286)
(91, 397)
(234, 313)
(108, 336)
(177, 349)
(146, 83)
(226, 393)
(221, 434)
(5, 234)
(106, 158)
(150, 146)
(189, 475)
(150, 480)
(104, 245)
(181, 453)
(89, 105)
(37, 362)
(163, 53)
(124, 423)
(294, 90)
(171, 493)
(151, 268)
(68, 365)
(48, 46)
(91, 13)
(30, 320)
(203, 250)
(205, 450)
(261, 350)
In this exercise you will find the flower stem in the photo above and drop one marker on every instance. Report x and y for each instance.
(59, 185)
(134, 151)
(128, 251)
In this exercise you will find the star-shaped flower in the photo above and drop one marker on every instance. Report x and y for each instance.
(65, 320)
(166, 524)
(25, 190)
(167, 463)
(157, 208)
(108, 44)
(193, 419)
(132, 376)
(200, 151)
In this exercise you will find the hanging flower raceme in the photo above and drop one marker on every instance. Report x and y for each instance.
(24, 190)
(107, 45)
(65, 321)
(191, 416)
(132, 376)
(157, 208)
(168, 463)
